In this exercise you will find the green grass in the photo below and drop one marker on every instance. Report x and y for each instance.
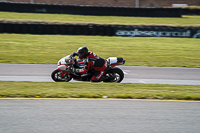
(98, 90)
(191, 7)
(66, 18)
(137, 51)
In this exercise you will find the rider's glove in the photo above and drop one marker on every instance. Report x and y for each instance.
(74, 54)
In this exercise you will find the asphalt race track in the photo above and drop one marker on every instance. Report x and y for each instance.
(133, 74)
(98, 116)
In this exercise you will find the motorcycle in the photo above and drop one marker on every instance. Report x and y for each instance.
(63, 74)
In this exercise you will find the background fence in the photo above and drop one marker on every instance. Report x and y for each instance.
(127, 3)
(90, 10)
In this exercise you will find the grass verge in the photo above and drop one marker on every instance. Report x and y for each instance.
(66, 18)
(137, 51)
(9, 89)
(191, 7)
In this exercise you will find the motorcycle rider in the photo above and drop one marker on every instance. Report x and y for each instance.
(91, 60)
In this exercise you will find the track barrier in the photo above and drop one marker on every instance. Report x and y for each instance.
(90, 10)
(99, 29)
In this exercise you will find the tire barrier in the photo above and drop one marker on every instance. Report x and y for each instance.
(49, 28)
(99, 29)
(90, 10)
(188, 11)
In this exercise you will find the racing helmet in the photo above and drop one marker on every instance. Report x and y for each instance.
(82, 52)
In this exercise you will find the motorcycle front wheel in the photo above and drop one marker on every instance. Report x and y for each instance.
(57, 76)
(114, 75)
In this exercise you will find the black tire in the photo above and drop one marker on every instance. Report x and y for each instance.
(114, 75)
(57, 76)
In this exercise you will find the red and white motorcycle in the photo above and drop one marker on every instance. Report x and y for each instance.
(63, 74)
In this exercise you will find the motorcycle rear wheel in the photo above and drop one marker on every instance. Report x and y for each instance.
(114, 75)
(57, 76)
